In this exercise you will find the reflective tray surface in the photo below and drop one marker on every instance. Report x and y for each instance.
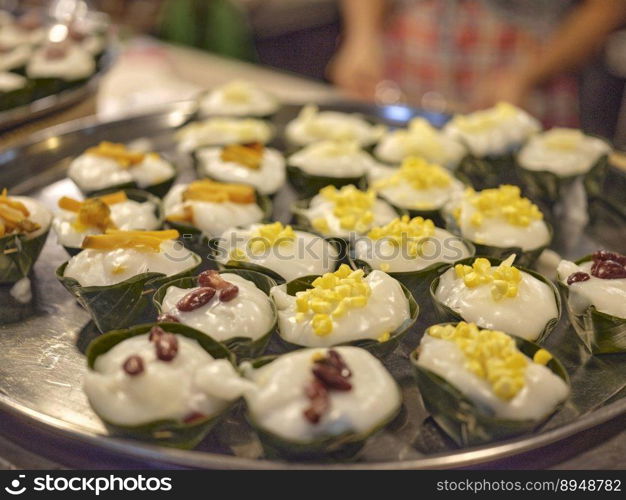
(42, 352)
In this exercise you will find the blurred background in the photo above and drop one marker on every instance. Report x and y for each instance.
(564, 60)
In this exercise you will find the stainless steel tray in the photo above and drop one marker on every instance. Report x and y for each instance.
(42, 362)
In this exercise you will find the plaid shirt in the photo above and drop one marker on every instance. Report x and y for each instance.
(444, 49)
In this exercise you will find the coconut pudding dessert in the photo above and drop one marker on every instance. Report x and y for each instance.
(161, 385)
(423, 140)
(14, 58)
(64, 62)
(77, 219)
(238, 98)
(304, 401)
(28, 29)
(24, 226)
(124, 264)
(222, 132)
(417, 185)
(596, 299)
(346, 211)
(313, 125)
(501, 219)
(253, 164)
(280, 251)
(212, 207)
(342, 307)
(408, 245)
(502, 379)
(502, 297)
(221, 305)
(109, 165)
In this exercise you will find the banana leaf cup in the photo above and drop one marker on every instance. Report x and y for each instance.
(548, 187)
(307, 185)
(274, 275)
(122, 304)
(488, 172)
(418, 282)
(377, 348)
(447, 314)
(601, 333)
(171, 433)
(134, 195)
(195, 240)
(466, 422)
(525, 258)
(18, 255)
(340, 447)
(242, 347)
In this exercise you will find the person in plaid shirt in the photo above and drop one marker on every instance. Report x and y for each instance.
(460, 55)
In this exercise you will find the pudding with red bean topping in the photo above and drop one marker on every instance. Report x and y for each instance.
(599, 282)
(320, 393)
(160, 376)
(223, 306)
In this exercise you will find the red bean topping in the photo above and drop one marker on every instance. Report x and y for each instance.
(229, 292)
(320, 402)
(193, 417)
(577, 277)
(195, 299)
(55, 51)
(76, 34)
(211, 278)
(166, 346)
(155, 333)
(608, 270)
(133, 365)
(167, 318)
(605, 255)
(330, 373)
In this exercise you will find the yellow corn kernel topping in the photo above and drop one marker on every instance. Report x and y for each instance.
(542, 357)
(503, 202)
(332, 296)
(144, 241)
(487, 119)
(563, 139)
(407, 232)
(247, 155)
(489, 354)
(352, 207)
(118, 152)
(14, 216)
(270, 235)
(238, 254)
(503, 279)
(419, 174)
(320, 224)
(384, 337)
(219, 192)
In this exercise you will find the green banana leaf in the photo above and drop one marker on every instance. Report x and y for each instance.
(548, 187)
(467, 423)
(600, 332)
(418, 282)
(488, 172)
(242, 347)
(171, 433)
(120, 305)
(446, 314)
(340, 447)
(379, 349)
(16, 98)
(18, 254)
(307, 185)
(134, 195)
(159, 190)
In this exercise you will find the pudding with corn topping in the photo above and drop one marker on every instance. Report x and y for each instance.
(407, 244)
(500, 297)
(237, 98)
(346, 211)
(341, 307)
(313, 125)
(222, 132)
(489, 369)
(78, 219)
(212, 207)
(416, 185)
(252, 164)
(110, 164)
(287, 252)
(500, 217)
